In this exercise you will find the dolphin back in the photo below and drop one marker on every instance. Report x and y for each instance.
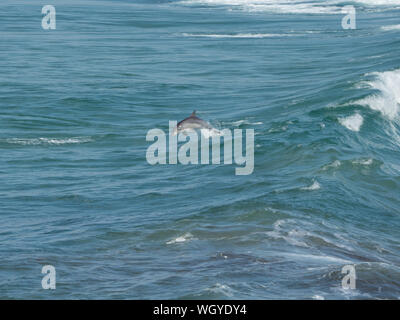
(194, 122)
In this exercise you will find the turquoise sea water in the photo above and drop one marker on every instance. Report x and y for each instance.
(76, 190)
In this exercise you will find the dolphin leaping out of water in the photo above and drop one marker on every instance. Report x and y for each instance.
(192, 123)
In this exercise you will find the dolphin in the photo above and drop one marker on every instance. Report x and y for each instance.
(191, 123)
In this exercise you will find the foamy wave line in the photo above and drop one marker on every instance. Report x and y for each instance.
(314, 186)
(186, 237)
(238, 35)
(390, 28)
(48, 141)
(246, 122)
(379, 2)
(322, 258)
(279, 6)
(363, 162)
(301, 234)
(302, 8)
(293, 6)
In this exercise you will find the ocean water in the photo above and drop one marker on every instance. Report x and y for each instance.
(76, 190)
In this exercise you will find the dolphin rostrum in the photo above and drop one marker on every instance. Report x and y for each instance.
(191, 123)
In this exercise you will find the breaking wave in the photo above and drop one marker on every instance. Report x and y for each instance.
(387, 98)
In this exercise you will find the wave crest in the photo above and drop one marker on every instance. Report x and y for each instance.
(387, 100)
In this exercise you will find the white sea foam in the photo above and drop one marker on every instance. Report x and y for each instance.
(293, 6)
(363, 162)
(238, 35)
(221, 289)
(379, 2)
(240, 122)
(314, 186)
(334, 164)
(48, 141)
(186, 237)
(208, 133)
(353, 122)
(387, 100)
(278, 129)
(318, 297)
(294, 232)
(390, 28)
(293, 236)
(279, 6)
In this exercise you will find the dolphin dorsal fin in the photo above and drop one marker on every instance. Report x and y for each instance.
(193, 113)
